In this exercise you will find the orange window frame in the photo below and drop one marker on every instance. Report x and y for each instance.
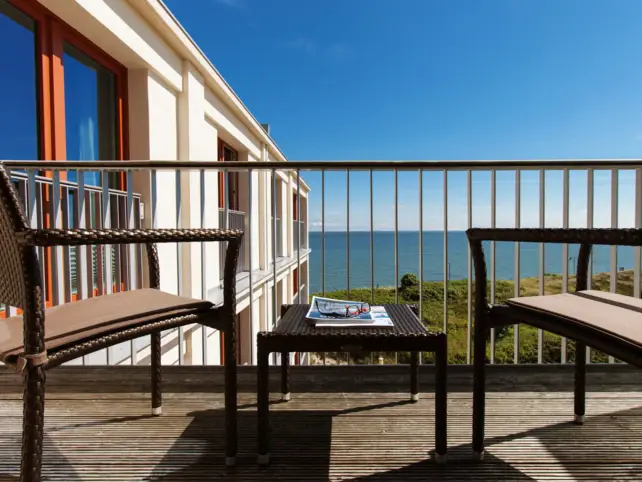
(232, 203)
(51, 34)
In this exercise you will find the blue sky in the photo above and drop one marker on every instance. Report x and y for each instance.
(449, 79)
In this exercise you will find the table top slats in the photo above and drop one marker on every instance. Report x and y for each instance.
(404, 319)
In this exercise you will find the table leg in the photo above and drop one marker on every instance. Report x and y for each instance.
(414, 376)
(441, 401)
(285, 376)
(263, 405)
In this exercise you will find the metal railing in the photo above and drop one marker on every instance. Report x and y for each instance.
(236, 220)
(442, 199)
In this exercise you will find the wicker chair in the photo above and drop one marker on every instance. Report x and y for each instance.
(608, 322)
(43, 339)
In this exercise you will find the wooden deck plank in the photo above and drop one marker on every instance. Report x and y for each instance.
(330, 436)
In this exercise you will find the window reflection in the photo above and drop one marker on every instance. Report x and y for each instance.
(90, 113)
(19, 137)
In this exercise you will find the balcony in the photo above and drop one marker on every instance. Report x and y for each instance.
(358, 423)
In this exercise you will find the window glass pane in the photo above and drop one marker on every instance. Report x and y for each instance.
(90, 112)
(18, 93)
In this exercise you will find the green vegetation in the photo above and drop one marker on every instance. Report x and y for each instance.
(457, 306)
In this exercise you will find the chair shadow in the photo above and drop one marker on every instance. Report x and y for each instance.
(301, 445)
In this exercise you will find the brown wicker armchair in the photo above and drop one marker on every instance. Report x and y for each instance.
(608, 322)
(42, 339)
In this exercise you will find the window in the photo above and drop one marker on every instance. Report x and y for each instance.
(19, 133)
(49, 61)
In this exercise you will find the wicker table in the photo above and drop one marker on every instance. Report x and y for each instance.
(295, 334)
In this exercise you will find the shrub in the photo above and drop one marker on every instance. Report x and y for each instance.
(409, 280)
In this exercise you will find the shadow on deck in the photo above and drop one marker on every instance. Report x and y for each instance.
(333, 435)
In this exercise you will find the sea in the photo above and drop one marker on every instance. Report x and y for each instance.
(382, 247)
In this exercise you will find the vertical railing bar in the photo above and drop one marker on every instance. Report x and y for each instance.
(153, 201)
(57, 252)
(116, 251)
(323, 232)
(469, 325)
(130, 281)
(396, 240)
(614, 225)
(421, 251)
(590, 206)
(32, 213)
(446, 266)
(179, 262)
(542, 221)
(82, 284)
(298, 235)
(204, 263)
(493, 263)
(249, 261)
(96, 199)
(637, 250)
(517, 258)
(274, 308)
(372, 293)
(348, 236)
(565, 225)
(323, 241)
(106, 224)
(40, 223)
(67, 221)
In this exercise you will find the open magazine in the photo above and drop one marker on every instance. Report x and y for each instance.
(327, 312)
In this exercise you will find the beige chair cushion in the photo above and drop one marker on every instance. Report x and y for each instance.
(613, 314)
(73, 323)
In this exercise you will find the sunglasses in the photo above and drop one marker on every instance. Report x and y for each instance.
(334, 310)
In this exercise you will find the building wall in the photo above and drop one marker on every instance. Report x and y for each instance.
(178, 109)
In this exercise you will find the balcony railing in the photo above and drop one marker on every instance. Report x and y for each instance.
(236, 220)
(80, 272)
(445, 198)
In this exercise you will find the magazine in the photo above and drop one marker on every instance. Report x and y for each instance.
(327, 312)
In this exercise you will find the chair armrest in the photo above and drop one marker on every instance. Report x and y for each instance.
(613, 236)
(94, 237)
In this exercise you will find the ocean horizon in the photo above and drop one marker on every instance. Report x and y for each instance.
(433, 258)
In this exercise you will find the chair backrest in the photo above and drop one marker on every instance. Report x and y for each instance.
(12, 221)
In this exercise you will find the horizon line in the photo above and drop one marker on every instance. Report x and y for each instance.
(386, 230)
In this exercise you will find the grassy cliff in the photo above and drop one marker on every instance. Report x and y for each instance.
(457, 296)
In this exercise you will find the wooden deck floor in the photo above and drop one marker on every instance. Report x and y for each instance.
(331, 436)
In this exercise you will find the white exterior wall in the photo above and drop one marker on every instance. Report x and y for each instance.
(179, 107)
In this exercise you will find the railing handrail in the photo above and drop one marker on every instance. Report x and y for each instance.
(428, 165)
(23, 176)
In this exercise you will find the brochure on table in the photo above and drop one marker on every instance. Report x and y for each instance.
(377, 316)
